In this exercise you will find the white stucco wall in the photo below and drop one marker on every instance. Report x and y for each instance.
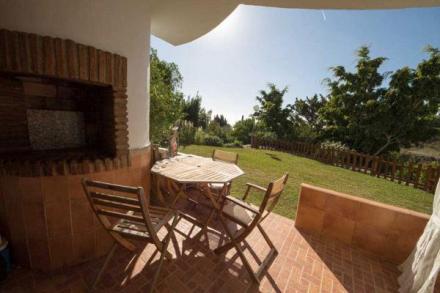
(118, 26)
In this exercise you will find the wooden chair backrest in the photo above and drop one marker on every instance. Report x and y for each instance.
(112, 203)
(230, 157)
(273, 193)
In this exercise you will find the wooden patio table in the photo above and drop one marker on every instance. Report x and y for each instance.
(179, 173)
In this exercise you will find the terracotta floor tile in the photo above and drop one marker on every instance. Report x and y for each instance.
(306, 263)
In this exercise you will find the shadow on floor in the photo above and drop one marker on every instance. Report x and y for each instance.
(193, 268)
(273, 156)
(354, 269)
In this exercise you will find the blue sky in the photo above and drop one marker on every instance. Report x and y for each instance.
(293, 48)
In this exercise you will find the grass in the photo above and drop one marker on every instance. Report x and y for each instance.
(261, 166)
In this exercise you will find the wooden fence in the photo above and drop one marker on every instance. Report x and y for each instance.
(421, 176)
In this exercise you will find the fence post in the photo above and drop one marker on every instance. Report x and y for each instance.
(416, 179)
(346, 158)
(428, 172)
(366, 162)
(386, 169)
(354, 160)
(337, 157)
(378, 166)
(393, 171)
(401, 175)
(409, 175)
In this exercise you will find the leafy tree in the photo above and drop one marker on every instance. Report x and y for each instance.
(195, 113)
(370, 117)
(306, 111)
(191, 110)
(204, 118)
(168, 108)
(165, 97)
(223, 132)
(221, 120)
(243, 130)
(271, 114)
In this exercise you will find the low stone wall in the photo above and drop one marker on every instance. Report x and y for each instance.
(387, 231)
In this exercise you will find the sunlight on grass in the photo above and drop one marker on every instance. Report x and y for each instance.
(261, 166)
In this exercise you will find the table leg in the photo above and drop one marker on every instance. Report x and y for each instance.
(180, 192)
(159, 193)
(216, 205)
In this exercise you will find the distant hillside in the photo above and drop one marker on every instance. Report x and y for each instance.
(429, 149)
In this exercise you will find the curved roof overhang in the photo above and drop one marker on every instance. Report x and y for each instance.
(182, 21)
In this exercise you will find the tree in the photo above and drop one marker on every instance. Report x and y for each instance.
(195, 113)
(221, 120)
(204, 118)
(165, 97)
(308, 121)
(272, 114)
(243, 129)
(219, 127)
(306, 111)
(369, 117)
(191, 110)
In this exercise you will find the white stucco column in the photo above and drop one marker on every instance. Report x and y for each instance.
(121, 27)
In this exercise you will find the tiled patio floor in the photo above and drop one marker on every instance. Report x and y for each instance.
(305, 263)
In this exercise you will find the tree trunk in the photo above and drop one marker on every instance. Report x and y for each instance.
(381, 149)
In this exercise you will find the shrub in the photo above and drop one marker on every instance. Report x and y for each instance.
(265, 135)
(187, 132)
(334, 144)
(199, 137)
(222, 132)
(213, 140)
(243, 130)
(234, 144)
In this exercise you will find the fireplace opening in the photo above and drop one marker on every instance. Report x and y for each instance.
(49, 118)
(63, 107)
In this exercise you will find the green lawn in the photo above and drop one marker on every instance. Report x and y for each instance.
(261, 166)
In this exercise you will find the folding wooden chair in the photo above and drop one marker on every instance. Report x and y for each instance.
(228, 157)
(125, 213)
(248, 216)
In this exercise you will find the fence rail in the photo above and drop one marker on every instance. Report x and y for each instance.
(421, 176)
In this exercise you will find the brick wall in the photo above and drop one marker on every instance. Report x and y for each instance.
(64, 61)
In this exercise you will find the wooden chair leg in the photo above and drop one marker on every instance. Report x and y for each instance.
(163, 253)
(234, 242)
(107, 260)
(266, 237)
(229, 245)
(271, 255)
(240, 253)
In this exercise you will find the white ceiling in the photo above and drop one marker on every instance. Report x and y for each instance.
(182, 21)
